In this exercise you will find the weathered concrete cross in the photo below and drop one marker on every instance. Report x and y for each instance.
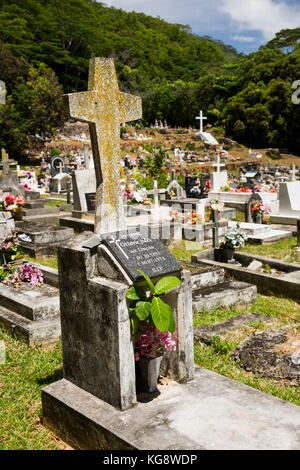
(105, 108)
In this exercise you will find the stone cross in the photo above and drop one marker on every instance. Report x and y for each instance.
(105, 108)
(60, 170)
(201, 118)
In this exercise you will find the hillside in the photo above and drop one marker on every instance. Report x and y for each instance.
(176, 72)
(64, 34)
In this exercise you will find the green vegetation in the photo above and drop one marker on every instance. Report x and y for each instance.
(247, 96)
(216, 356)
(50, 262)
(23, 375)
(284, 250)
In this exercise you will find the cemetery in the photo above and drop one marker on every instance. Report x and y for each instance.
(149, 282)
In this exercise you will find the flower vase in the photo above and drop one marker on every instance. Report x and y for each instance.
(257, 218)
(207, 215)
(147, 371)
(17, 214)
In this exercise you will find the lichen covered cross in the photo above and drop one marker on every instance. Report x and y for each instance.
(104, 107)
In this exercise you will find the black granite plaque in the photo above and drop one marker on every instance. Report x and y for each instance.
(133, 252)
(90, 201)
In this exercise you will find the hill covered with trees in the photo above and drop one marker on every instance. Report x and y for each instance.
(45, 47)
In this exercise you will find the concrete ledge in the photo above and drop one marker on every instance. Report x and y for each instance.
(226, 294)
(264, 282)
(211, 412)
(45, 332)
(34, 303)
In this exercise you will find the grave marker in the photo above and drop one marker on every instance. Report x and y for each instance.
(137, 252)
(105, 108)
(201, 118)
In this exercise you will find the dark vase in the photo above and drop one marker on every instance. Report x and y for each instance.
(147, 372)
(226, 254)
(257, 218)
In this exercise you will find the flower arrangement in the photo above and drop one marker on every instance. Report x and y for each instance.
(152, 320)
(208, 184)
(234, 238)
(26, 187)
(9, 248)
(214, 205)
(19, 201)
(259, 209)
(32, 275)
(7, 203)
(192, 217)
(153, 342)
(9, 276)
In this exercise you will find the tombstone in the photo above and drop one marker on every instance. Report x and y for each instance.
(59, 182)
(84, 189)
(190, 182)
(95, 272)
(175, 186)
(55, 163)
(219, 178)
(7, 224)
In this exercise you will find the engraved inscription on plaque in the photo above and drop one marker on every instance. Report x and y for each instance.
(133, 252)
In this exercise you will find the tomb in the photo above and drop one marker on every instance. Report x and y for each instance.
(289, 204)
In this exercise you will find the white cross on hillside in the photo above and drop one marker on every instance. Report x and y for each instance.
(105, 108)
(201, 118)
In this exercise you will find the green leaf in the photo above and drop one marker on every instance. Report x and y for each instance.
(134, 324)
(131, 294)
(160, 313)
(150, 283)
(165, 284)
(143, 310)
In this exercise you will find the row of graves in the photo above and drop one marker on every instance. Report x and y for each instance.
(123, 308)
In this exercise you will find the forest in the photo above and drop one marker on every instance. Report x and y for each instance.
(45, 47)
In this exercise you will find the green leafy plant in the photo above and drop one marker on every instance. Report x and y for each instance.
(147, 306)
(267, 269)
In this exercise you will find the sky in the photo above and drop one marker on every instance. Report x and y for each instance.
(244, 24)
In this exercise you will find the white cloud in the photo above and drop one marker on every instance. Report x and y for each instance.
(266, 16)
(244, 38)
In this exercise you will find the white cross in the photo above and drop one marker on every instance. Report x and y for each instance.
(201, 118)
(116, 242)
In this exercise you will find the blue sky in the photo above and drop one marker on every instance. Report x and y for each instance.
(245, 24)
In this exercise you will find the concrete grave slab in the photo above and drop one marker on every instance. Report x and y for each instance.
(212, 412)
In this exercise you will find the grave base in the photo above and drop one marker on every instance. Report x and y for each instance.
(45, 332)
(211, 412)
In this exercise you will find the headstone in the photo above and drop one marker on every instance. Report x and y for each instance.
(104, 108)
(55, 163)
(84, 182)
